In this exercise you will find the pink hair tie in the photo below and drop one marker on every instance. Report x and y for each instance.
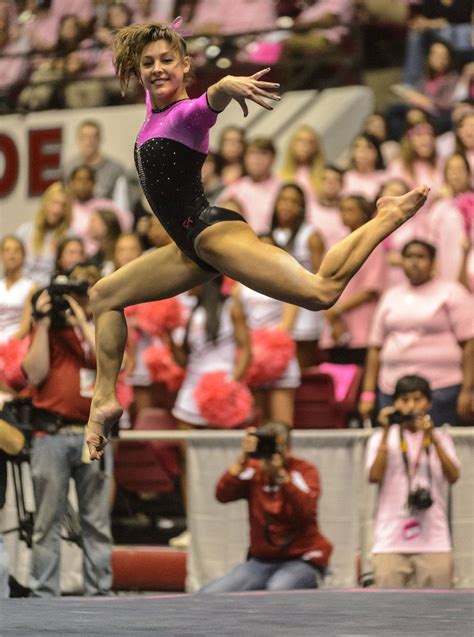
(176, 27)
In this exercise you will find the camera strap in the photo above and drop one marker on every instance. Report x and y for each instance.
(425, 446)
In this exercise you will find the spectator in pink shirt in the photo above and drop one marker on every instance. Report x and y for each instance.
(82, 9)
(304, 161)
(347, 323)
(327, 22)
(81, 183)
(367, 171)
(231, 150)
(257, 190)
(465, 140)
(435, 94)
(418, 161)
(412, 464)
(394, 244)
(151, 10)
(424, 327)
(42, 26)
(376, 125)
(239, 16)
(323, 212)
(14, 66)
(446, 228)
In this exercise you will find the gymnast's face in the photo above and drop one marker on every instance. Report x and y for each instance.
(162, 71)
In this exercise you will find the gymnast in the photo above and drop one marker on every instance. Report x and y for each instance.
(207, 240)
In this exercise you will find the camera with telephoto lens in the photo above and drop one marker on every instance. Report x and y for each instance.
(266, 446)
(420, 499)
(58, 287)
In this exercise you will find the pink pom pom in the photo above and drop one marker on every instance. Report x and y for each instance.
(158, 317)
(465, 204)
(12, 353)
(162, 367)
(123, 392)
(223, 402)
(272, 350)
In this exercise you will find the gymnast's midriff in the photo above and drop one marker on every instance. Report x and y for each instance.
(169, 153)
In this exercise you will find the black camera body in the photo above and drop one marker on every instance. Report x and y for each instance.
(58, 287)
(266, 446)
(397, 418)
(420, 499)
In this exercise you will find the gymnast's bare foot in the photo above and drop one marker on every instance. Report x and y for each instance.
(400, 209)
(104, 414)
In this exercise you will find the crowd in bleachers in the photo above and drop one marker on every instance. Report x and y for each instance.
(55, 53)
(305, 207)
(407, 311)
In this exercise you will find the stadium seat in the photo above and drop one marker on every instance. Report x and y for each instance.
(316, 406)
(137, 469)
(166, 453)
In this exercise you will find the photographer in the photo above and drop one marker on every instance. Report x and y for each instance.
(60, 365)
(11, 443)
(413, 464)
(286, 547)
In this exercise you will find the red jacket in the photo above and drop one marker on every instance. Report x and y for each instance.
(283, 523)
(61, 389)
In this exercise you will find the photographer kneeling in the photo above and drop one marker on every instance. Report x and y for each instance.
(286, 547)
(11, 443)
(60, 365)
(413, 464)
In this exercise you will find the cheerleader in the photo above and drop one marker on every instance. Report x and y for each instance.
(293, 233)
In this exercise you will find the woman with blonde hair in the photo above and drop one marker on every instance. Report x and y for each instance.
(42, 235)
(304, 160)
(418, 158)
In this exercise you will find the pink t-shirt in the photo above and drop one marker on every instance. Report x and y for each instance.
(341, 8)
(445, 230)
(82, 9)
(370, 277)
(418, 329)
(13, 69)
(392, 515)
(257, 199)
(81, 214)
(43, 31)
(362, 184)
(328, 222)
(238, 16)
(423, 173)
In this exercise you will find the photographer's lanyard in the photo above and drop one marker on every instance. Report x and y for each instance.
(425, 446)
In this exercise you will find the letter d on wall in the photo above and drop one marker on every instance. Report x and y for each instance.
(11, 165)
(44, 152)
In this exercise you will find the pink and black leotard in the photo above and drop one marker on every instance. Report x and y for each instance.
(169, 153)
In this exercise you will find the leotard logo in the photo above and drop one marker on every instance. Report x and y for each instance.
(187, 223)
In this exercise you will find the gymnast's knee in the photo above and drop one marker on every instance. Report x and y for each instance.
(101, 297)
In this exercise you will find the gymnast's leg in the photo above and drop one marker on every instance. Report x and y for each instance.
(234, 249)
(157, 275)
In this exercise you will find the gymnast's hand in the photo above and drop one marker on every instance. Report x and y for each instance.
(241, 89)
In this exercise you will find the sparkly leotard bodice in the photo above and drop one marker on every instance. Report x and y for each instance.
(169, 153)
